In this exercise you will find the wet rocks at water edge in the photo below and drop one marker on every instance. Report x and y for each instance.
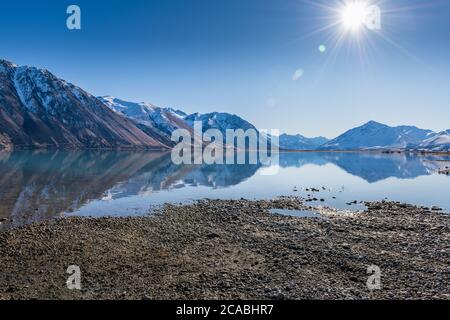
(218, 249)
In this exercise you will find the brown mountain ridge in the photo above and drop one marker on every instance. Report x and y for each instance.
(39, 110)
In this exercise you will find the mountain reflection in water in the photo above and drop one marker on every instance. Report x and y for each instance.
(38, 185)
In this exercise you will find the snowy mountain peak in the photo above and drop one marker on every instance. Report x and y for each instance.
(161, 121)
(438, 142)
(373, 123)
(177, 112)
(375, 135)
(136, 110)
(40, 91)
(37, 109)
(220, 120)
(40, 110)
(5, 65)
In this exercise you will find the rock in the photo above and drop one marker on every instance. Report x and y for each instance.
(277, 295)
(260, 255)
(212, 235)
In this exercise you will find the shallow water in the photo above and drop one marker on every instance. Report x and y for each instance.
(36, 185)
(297, 213)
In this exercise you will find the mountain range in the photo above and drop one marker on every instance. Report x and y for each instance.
(39, 110)
(374, 135)
(299, 142)
(437, 142)
(156, 122)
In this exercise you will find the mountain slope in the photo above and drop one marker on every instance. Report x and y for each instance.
(39, 110)
(155, 121)
(374, 135)
(219, 120)
(438, 142)
(223, 121)
(299, 142)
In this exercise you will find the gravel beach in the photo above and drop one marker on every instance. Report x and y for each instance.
(217, 249)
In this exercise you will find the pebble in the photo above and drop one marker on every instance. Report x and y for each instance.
(232, 249)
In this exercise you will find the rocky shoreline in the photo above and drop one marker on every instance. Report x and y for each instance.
(217, 249)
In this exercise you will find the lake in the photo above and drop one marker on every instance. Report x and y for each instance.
(38, 185)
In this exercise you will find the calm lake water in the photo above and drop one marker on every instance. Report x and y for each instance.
(37, 185)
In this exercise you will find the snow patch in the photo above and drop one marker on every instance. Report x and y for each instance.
(23, 92)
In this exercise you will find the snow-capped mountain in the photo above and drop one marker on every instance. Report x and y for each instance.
(223, 121)
(437, 142)
(39, 110)
(374, 135)
(299, 142)
(161, 122)
(219, 120)
(145, 113)
(166, 120)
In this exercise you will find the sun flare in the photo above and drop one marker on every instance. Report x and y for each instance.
(353, 15)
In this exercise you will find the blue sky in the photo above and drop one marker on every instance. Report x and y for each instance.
(239, 56)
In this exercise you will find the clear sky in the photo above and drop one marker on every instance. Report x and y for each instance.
(240, 56)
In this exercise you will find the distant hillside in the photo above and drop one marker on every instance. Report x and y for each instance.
(299, 142)
(437, 142)
(374, 135)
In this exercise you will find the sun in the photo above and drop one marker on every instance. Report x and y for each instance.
(353, 15)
